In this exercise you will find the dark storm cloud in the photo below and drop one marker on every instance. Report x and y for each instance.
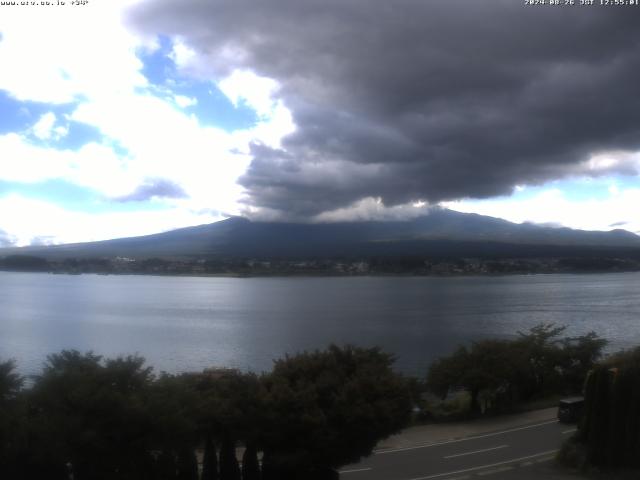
(156, 188)
(619, 224)
(412, 99)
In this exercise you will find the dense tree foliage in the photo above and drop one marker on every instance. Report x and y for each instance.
(103, 419)
(610, 427)
(499, 373)
(250, 463)
(10, 381)
(485, 366)
(12, 439)
(209, 461)
(336, 405)
(92, 414)
(26, 263)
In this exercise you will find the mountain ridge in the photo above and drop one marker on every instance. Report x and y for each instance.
(439, 231)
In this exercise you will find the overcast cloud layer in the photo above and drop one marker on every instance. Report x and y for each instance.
(422, 100)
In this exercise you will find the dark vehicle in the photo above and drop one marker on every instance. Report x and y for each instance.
(570, 409)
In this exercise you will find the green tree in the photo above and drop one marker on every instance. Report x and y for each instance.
(250, 465)
(540, 350)
(446, 373)
(166, 466)
(10, 382)
(230, 405)
(172, 404)
(187, 465)
(330, 408)
(230, 409)
(210, 461)
(597, 408)
(92, 414)
(12, 425)
(27, 263)
(610, 427)
(229, 468)
(503, 372)
(579, 355)
(555, 364)
(489, 366)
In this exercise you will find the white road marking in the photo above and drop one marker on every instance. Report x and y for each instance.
(482, 467)
(427, 445)
(476, 451)
(570, 431)
(355, 470)
(495, 470)
(542, 460)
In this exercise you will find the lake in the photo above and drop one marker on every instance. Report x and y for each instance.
(189, 323)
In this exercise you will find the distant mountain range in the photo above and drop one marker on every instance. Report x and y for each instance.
(441, 233)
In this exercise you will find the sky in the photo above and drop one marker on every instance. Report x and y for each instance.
(129, 117)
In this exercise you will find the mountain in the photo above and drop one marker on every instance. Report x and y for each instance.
(441, 233)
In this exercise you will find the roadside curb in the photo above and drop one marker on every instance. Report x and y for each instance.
(433, 434)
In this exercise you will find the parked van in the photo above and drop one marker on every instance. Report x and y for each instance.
(570, 409)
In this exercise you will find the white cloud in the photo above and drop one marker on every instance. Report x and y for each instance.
(257, 92)
(164, 142)
(611, 162)
(26, 163)
(43, 129)
(271, 131)
(613, 189)
(56, 55)
(60, 131)
(87, 56)
(364, 210)
(553, 206)
(373, 209)
(182, 55)
(27, 219)
(161, 142)
(93, 166)
(185, 102)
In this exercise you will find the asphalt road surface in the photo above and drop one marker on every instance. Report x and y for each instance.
(506, 454)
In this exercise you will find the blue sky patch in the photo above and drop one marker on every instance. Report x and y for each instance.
(580, 189)
(213, 108)
(18, 116)
(59, 192)
(79, 134)
(74, 197)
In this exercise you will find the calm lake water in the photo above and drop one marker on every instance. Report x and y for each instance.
(187, 323)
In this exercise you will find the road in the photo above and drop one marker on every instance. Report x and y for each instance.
(507, 454)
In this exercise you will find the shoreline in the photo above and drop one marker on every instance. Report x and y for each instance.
(330, 274)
